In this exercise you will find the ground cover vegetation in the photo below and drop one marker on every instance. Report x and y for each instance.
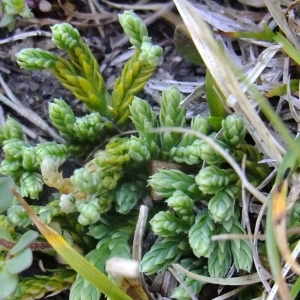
(163, 192)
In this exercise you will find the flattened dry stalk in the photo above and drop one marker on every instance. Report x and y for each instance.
(285, 270)
(274, 7)
(137, 246)
(276, 234)
(182, 283)
(279, 223)
(294, 192)
(258, 265)
(139, 233)
(242, 280)
(226, 79)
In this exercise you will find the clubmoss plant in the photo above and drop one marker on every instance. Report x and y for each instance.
(215, 184)
(95, 208)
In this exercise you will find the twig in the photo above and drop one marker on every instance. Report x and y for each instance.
(2, 118)
(236, 236)
(86, 16)
(261, 271)
(93, 10)
(230, 294)
(9, 92)
(183, 284)
(248, 279)
(32, 117)
(25, 35)
(137, 245)
(32, 134)
(14, 103)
